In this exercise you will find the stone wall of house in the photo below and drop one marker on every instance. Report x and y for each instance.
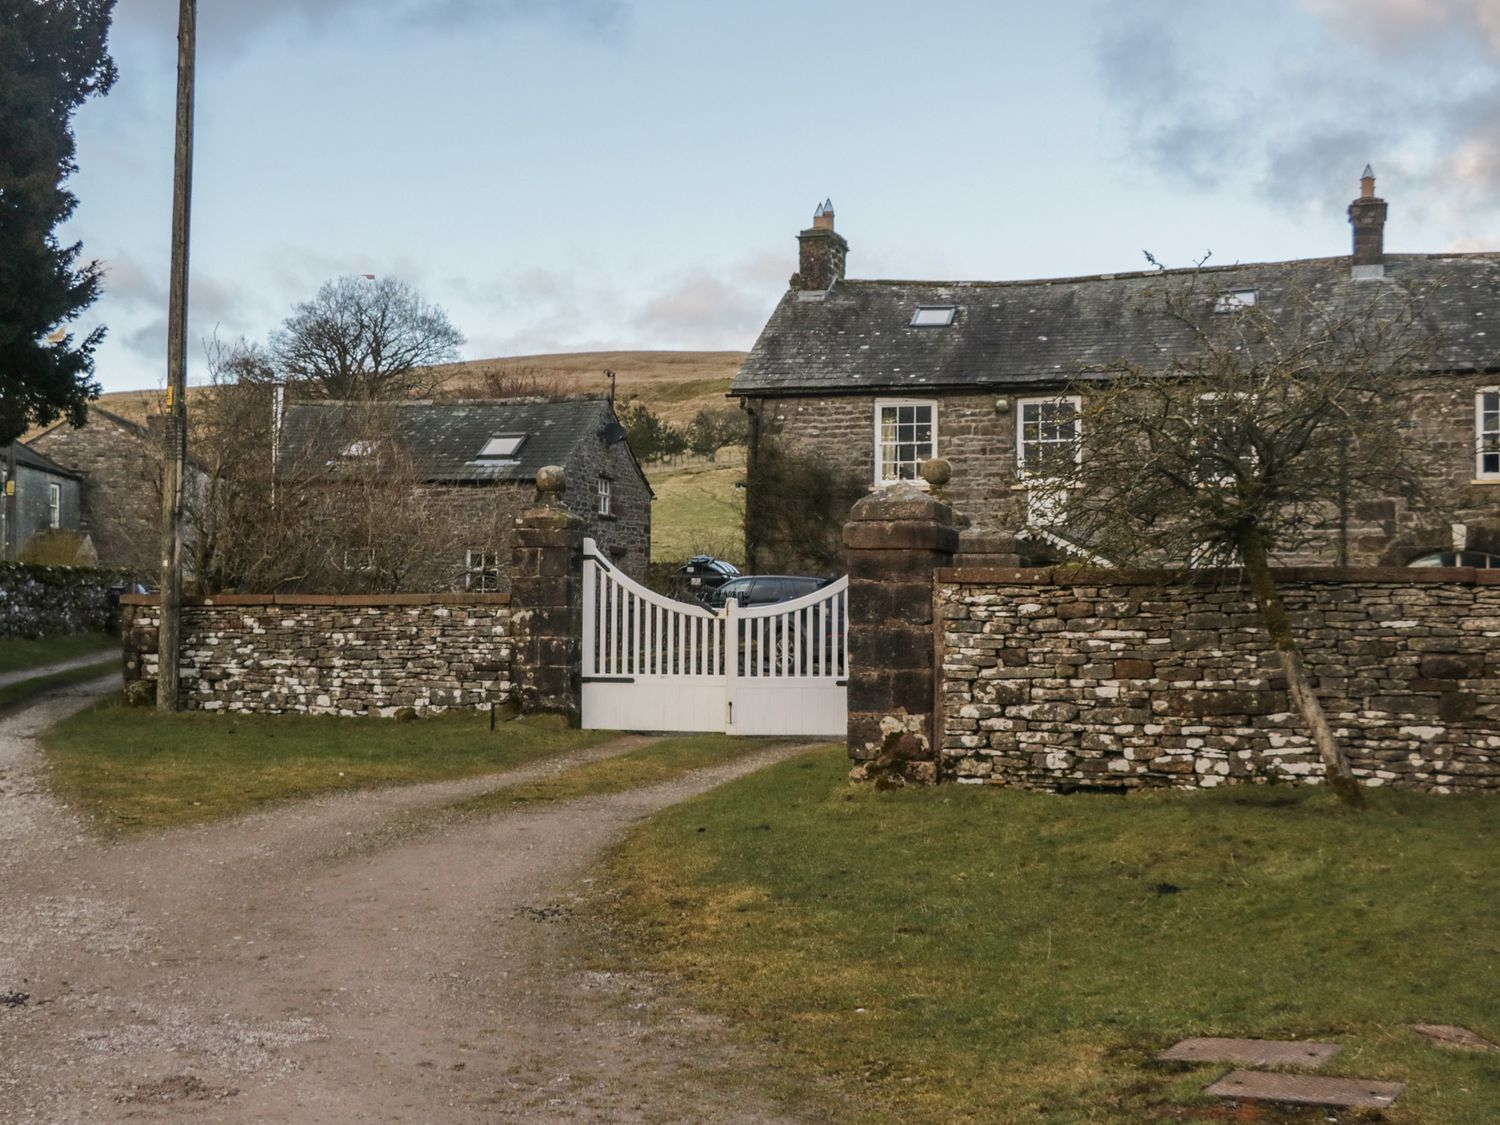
(625, 534)
(976, 434)
(121, 494)
(38, 601)
(1053, 680)
(333, 654)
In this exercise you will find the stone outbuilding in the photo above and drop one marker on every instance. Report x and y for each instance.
(40, 498)
(476, 461)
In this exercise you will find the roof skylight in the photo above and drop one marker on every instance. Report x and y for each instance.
(502, 447)
(933, 316)
(1234, 300)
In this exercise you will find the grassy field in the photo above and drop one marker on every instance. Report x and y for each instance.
(698, 509)
(133, 769)
(17, 653)
(981, 955)
(661, 761)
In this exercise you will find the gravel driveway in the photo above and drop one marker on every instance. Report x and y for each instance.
(329, 962)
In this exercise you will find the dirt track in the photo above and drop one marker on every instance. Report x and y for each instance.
(322, 963)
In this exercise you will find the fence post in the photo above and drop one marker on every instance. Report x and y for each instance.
(895, 538)
(546, 589)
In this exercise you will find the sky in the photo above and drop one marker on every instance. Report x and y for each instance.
(578, 175)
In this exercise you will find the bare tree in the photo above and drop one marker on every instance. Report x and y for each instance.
(1245, 436)
(364, 339)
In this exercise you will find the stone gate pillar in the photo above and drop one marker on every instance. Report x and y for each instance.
(895, 539)
(546, 591)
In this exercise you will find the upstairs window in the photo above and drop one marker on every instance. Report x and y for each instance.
(933, 316)
(1234, 300)
(1487, 434)
(905, 436)
(502, 447)
(605, 500)
(1047, 433)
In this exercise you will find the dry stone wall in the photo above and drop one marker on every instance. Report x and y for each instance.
(333, 655)
(37, 601)
(1052, 680)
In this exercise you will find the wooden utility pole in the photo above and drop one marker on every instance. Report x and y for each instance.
(174, 438)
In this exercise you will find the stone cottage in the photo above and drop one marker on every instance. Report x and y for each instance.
(118, 464)
(474, 465)
(40, 496)
(878, 376)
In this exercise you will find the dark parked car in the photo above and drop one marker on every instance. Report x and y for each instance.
(764, 589)
(702, 574)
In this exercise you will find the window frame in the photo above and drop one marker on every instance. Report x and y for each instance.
(1022, 472)
(604, 503)
(1480, 434)
(54, 504)
(883, 404)
(487, 570)
(917, 320)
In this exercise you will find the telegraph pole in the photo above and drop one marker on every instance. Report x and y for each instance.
(174, 449)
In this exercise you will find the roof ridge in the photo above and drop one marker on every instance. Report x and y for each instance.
(1127, 275)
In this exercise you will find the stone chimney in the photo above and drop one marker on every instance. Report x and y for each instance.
(1367, 217)
(821, 253)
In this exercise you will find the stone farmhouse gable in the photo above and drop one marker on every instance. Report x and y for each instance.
(119, 465)
(880, 375)
(476, 462)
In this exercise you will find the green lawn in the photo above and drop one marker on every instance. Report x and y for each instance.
(661, 761)
(136, 769)
(959, 954)
(17, 652)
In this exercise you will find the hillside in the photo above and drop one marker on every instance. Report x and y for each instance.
(675, 385)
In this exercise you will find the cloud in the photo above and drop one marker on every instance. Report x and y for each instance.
(228, 26)
(1297, 100)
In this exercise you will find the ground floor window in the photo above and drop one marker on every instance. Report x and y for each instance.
(54, 505)
(905, 436)
(1047, 431)
(1487, 433)
(1458, 558)
(482, 570)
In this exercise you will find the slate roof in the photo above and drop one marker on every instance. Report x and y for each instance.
(857, 338)
(25, 455)
(444, 439)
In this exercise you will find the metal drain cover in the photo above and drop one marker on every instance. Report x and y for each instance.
(1307, 1089)
(1250, 1052)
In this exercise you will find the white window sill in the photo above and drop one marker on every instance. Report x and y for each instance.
(1485, 480)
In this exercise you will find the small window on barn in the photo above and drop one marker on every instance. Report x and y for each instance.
(933, 316)
(482, 570)
(502, 447)
(54, 504)
(1234, 300)
(606, 499)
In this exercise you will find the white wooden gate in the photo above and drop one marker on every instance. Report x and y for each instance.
(653, 663)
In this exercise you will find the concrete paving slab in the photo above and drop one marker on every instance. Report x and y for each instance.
(1251, 1052)
(1306, 1089)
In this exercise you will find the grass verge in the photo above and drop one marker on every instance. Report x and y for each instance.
(661, 761)
(135, 769)
(24, 691)
(18, 652)
(984, 955)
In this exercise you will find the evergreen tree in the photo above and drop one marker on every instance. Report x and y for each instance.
(53, 56)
